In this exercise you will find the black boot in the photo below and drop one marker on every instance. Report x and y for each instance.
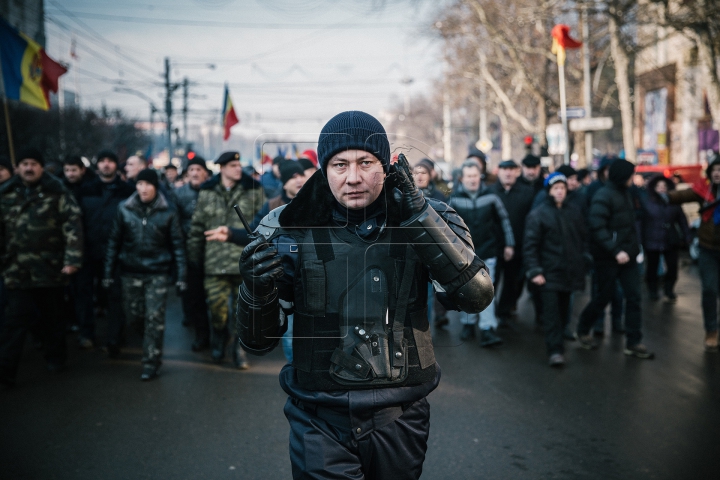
(218, 342)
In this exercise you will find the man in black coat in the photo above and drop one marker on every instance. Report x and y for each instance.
(555, 249)
(517, 199)
(531, 173)
(614, 247)
(99, 200)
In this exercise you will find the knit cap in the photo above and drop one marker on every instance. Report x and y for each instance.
(353, 130)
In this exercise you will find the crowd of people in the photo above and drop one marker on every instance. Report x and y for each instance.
(77, 245)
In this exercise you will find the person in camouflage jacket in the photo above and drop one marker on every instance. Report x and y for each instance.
(41, 245)
(219, 260)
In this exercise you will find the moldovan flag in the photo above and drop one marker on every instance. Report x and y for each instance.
(28, 73)
(228, 115)
(562, 41)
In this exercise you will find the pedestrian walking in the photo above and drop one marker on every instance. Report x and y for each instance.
(664, 231)
(517, 200)
(614, 246)
(193, 299)
(41, 245)
(556, 257)
(363, 361)
(145, 243)
(219, 260)
(492, 235)
(477, 156)
(99, 201)
(531, 173)
(706, 192)
(423, 176)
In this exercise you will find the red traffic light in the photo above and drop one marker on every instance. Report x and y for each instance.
(190, 155)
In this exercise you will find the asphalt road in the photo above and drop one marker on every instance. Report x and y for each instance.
(497, 414)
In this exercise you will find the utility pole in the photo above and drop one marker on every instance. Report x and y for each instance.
(185, 85)
(169, 90)
(447, 127)
(587, 89)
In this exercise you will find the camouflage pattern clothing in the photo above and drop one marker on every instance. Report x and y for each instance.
(214, 209)
(220, 290)
(144, 299)
(40, 232)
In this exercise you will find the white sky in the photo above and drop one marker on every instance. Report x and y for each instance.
(291, 64)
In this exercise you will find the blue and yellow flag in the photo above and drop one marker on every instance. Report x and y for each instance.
(28, 73)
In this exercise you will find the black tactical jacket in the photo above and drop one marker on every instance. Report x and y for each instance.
(146, 239)
(612, 223)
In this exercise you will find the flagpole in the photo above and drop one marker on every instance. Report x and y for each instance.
(563, 111)
(7, 117)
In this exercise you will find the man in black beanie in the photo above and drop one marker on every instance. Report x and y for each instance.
(614, 246)
(531, 172)
(344, 257)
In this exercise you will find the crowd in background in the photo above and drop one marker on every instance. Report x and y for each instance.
(79, 243)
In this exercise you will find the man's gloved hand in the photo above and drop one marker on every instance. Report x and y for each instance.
(181, 287)
(411, 197)
(107, 282)
(260, 266)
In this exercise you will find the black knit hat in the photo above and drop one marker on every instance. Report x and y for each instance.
(199, 161)
(620, 171)
(288, 169)
(531, 160)
(306, 163)
(33, 153)
(566, 170)
(278, 160)
(353, 130)
(427, 164)
(74, 160)
(148, 175)
(107, 154)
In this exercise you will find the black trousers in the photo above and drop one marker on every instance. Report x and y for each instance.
(511, 276)
(323, 445)
(194, 304)
(87, 290)
(652, 260)
(25, 308)
(629, 277)
(555, 315)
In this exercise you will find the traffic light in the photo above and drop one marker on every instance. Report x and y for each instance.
(190, 155)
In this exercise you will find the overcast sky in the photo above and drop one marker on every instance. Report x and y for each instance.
(291, 64)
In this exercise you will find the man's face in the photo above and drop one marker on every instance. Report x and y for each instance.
(30, 170)
(661, 187)
(507, 176)
(73, 173)
(107, 168)
(146, 191)
(573, 183)
(531, 173)
(421, 176)
(196, 175)
(356, 178)
(133, 167)
(171, 174)
(470, 178)
(232, 171)
(715, 174)
(5, 174)
(558, 192)
(293, 186)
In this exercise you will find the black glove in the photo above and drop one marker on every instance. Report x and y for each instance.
(260, 266)
(411, 198)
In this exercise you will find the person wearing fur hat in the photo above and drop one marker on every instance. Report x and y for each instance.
(351, 257)
(614, 246)
(706, 192)
(555, 256)
(145, 244)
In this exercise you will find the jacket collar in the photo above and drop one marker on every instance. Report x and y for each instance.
(134, 203)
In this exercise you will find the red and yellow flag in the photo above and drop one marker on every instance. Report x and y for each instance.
(28, 72)
(561, 41)
(229, 118)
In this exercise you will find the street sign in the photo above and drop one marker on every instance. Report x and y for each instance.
(556, 139)
(573, 112)
(590, 124)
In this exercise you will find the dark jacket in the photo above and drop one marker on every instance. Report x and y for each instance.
(664, 226)
(575, 198)
(556, 246)
(433, 192)
(99, 203)
(536, 185)
(146, 239)
(272, 186)
(703, 193)
(186, 197)
(40, 232)
(76, 188)
(486, 217)
(611, 223)
(518, 202)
